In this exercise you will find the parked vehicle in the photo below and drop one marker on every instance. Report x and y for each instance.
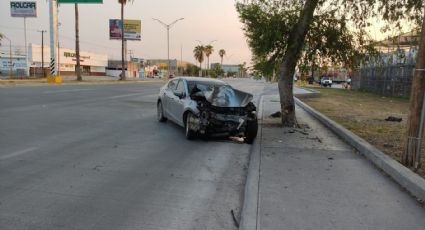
(205, 106)
(326, 81)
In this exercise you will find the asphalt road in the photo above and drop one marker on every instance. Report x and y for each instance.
(94, 157)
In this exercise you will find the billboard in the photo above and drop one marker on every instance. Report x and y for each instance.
(80, 1)
(132, 29)
(23, 9)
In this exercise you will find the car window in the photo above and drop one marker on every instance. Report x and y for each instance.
(180, 87)
(172, 85)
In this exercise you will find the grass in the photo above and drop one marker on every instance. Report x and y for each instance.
(364, 114)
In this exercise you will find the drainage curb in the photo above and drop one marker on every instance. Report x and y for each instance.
(249, 211)
(402, 175)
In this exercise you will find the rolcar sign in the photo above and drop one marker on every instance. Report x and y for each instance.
(23, 9)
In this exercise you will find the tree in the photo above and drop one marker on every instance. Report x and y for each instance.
(77, 45)
(280, 33)
(198, 53)
(123, 64)
(208, 50)
(1, 37)
(221, 52)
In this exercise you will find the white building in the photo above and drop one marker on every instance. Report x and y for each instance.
(93, 64)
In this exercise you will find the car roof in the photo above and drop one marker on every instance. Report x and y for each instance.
(202, 79)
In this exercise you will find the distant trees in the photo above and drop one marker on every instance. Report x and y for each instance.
(221, 52)
(198, 53)
(208, 49)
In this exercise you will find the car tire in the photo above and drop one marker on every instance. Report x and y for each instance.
(160, 112)
(190, 134)
(251, 131)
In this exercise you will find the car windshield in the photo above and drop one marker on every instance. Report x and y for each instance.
(203, 85)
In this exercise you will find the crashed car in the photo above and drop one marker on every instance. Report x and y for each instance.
(207, 107)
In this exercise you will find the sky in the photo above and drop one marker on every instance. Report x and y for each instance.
(205, 20)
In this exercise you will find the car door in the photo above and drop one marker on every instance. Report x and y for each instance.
(177, 106)
(168, 95)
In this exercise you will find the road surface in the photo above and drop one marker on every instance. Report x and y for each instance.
(94, 157)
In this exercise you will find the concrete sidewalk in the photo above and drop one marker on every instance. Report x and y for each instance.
(310, 179)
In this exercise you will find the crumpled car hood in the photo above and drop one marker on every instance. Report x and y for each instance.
(226, 96)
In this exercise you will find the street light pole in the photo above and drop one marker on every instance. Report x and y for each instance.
(168, 27)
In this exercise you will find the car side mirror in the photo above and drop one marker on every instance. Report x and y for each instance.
(179, 94)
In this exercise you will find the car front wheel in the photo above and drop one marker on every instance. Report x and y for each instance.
(251, 131)
(190, 134)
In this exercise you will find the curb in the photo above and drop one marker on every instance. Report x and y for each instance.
(249, 211)
(402, 175)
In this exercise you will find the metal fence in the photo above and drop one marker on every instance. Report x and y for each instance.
(389, 80)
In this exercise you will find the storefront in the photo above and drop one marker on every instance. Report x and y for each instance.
(93, 64)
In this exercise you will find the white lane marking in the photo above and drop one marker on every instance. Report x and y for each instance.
(66, 91)
(125, 95)
(17, 153)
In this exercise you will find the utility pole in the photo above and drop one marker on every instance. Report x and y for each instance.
(42, 51)
(27, 70)
(53, 38)
(411, 155)
(168, 27)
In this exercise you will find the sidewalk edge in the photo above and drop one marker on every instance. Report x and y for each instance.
(249, 211)
(402, 175)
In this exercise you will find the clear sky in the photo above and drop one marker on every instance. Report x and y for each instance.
(205, 20)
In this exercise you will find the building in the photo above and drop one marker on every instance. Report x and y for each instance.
(228, 69)
(13, 62)
(114, 68)
(93, 64)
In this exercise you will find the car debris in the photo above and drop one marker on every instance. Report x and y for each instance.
(394, 119)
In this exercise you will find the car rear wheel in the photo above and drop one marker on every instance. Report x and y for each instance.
(190, 134)
(251, 131)
(160, 112)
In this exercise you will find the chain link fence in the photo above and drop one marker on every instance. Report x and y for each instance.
(388, 80)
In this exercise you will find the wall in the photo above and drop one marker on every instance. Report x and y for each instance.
(389, 80)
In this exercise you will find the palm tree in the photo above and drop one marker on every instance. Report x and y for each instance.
(77, 45)
(222, 52)
(198, 53)
(122, 2)
(208, 51)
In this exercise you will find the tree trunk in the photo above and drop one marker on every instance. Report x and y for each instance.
(287, 68)
(77, 44)
(409, 155)
(122, 43)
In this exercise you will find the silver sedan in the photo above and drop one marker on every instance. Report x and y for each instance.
(205, 106)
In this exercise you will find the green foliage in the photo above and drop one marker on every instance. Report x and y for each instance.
(208, 49)
(191, 70)
(198, 53)
(216, 71)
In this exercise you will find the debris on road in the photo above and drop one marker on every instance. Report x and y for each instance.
(276, 114)
(235, 221)
(394, 119)
(239, 140)
(315, 138)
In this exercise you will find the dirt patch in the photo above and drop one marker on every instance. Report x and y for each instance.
(364, 114)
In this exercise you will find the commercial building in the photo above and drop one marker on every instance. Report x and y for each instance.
(93, 64)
